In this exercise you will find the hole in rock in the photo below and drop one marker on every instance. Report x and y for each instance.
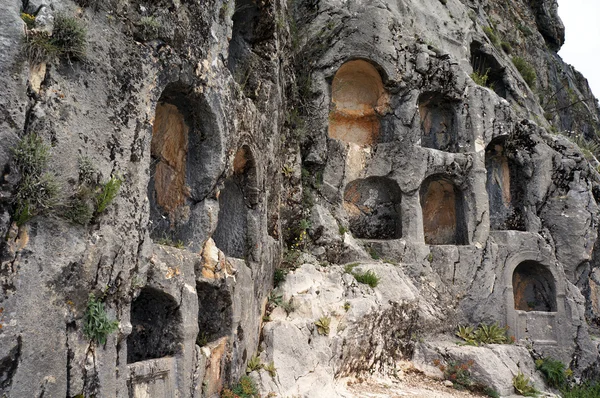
(215, 312)
(373, 208)
(156, 326)
(484, 63)
(239, 194)
(357, 93)
(244, 18)
(438, 122)
(533, 287)
(443, 212)
(504, 191)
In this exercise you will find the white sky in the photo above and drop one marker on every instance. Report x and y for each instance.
(582, 38)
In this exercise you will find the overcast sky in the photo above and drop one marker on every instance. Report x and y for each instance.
(582, 41)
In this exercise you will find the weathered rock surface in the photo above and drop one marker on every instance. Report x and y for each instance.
(343, 131)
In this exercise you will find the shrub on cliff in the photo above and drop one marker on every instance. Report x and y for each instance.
(68, 41)
(526, 70)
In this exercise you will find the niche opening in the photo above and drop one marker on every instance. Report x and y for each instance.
(357, 93)
(443, 212)
(156, 326)
(239, 194)
(438, 122)
(215, 312)
(373, 206)
(534, 288)
(484, 63)
(504, 192)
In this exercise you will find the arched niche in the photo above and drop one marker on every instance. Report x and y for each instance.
(534, 288)
(439, 128)
(503, 188)
(245, 17)
(373, 208)
(239, 195)
(156, 326)
(485, 63)
(356, 94)
(443, 212)
(186, 151)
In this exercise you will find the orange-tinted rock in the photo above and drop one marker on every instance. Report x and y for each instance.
(169, 148)
(441, 208)
(357, 96)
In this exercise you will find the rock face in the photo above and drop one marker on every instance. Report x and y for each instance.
(198, 146)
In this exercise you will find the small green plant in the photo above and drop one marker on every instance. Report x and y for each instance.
(275, 299)
(506, 46)
(491, 34)
(347, 306)
(79, 211)
(368, 278)
(31, 155)
(526, 71)
(491, 334)
(466, 333)
(589, 148)
(459, 373)
(484, 334)
(202, 339)
(253, 364)
(288, 306)
(582, 391)
(481, 78)
(245, 388)
(373, 253)
(279, 276)
(149, 28)
(342, 230)
(349, 268)
(96, 325)
(38, 191)
(555, 372)
(69, 36)
(108, 193)
(523, 386)
(323, 325)
(38, 48)
(287, 170)
(29, 20)
(168, 241)
(270, 368)
(304, 224)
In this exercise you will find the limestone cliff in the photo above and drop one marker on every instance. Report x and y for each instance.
(164, 160)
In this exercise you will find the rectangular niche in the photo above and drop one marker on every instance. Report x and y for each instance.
(443, 212)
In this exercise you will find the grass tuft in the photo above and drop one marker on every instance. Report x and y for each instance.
(368, 278)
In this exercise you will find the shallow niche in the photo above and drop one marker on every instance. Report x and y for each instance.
(238, 196)
(503, 188)
(156, 326)
(443, 212)
(176, 128)
(373, 208)
(439, 128)
(486, 64)
(215, 312)
(357, 93)
(244, 18)
(534, 288)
